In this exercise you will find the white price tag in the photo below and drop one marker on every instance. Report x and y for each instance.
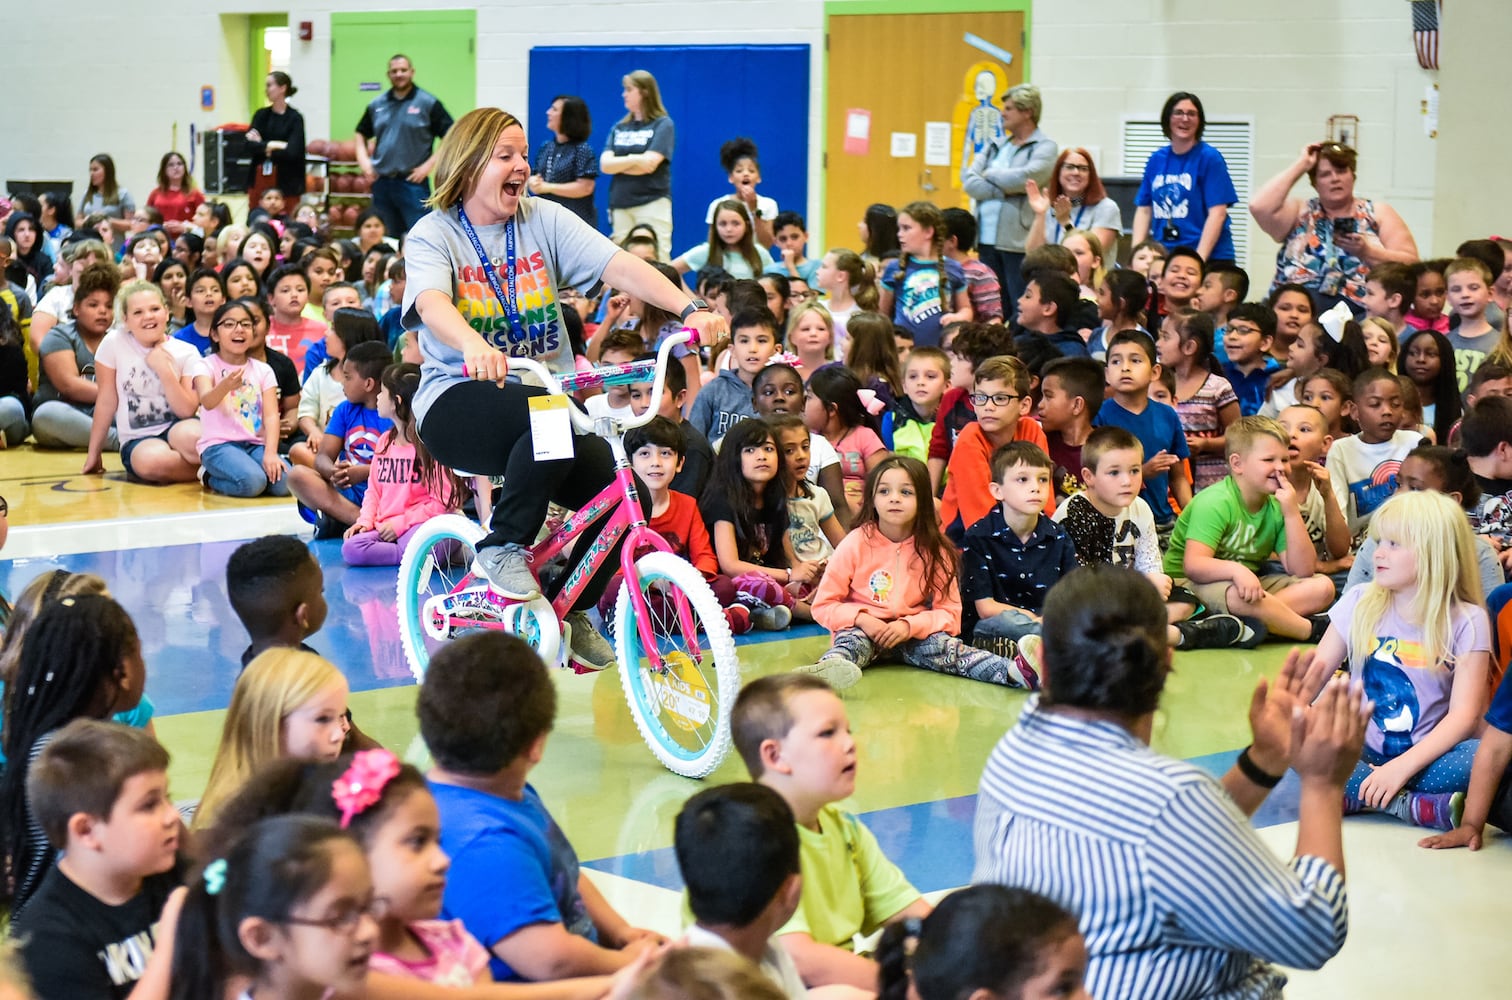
(550, 428)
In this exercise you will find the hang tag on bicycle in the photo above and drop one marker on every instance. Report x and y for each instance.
(550, 428)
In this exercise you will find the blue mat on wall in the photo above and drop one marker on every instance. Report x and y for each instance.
(713, 93)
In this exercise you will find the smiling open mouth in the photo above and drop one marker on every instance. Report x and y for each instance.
(513, 188)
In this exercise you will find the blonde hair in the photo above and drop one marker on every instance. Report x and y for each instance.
(274, 684)
(824, 314)
(224, 238)
(1244, 432)
(43, 589)
(704, 974)
(1383, 324)
(862, 277)
(1094, 244)
(651, 102)
(135, 288)
(1435, 529)
(465, 151)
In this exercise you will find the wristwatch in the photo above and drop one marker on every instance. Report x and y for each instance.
(697, 305)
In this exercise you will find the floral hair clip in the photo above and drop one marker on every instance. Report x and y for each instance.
(361, 786)
(215, 876)
(784, 358)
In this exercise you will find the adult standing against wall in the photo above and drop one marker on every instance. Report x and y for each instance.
(638, 156)
(565, 170)
(1329, 242)
(106, 197)
(403, 125)
(277, 142)
(1184, 198)
(1177, 895)
(996, 178)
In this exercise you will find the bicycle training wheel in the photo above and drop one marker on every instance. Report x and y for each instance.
(682, 709)
(440, 597)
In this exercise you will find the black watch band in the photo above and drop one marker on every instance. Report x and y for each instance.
(697, 305)
(1252, 771)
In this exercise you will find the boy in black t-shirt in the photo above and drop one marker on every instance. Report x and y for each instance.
(100, 791)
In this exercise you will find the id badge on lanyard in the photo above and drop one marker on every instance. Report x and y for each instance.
(505, 296)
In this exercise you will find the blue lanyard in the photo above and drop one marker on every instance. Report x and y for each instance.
(1061, 230)
(507, 301)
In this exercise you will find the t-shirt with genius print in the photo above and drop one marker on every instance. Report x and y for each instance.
(553, 248)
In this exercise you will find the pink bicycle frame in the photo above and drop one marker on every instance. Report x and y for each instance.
(640, 536)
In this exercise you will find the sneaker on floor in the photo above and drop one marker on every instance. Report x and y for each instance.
(1435, 812)
(310, 516)
(773, 619)
(507, 569)
(587, 644)
(738, 616)
(836, 671)
(1026, 663)
(1218, 632)
(327, 527)
(1320, 623)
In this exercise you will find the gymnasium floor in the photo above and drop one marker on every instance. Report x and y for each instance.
(1422, 923)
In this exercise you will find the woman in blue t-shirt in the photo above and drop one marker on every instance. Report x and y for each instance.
(1185, 196)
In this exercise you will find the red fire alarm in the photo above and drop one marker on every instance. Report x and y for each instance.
(306, 30)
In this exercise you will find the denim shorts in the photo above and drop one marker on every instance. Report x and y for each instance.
(130, 446)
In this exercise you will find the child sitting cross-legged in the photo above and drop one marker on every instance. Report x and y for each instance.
(1419, 639)
(792, 734)
(486, 709)
(737, 849)
(813, 525)
(1363, 467)
(331, 493)
(1326, 524)
(1014, 555)
(1071, 391)
(890, 589)
(1001, 399)
(1228, 530)
(1108, 522)
(657, 451)
(100, 792)
(1131, 368)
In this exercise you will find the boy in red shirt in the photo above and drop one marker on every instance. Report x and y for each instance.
(1002, 395)
(289, 330)
(656, 454)
(972, 344)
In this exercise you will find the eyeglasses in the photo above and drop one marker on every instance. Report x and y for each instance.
(1186, 114)
(996, 398)
(806, 296)
(4, 507)
(235, 324)
(345, 920)
(1076, 168)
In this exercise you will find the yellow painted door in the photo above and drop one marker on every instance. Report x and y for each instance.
(900, 72)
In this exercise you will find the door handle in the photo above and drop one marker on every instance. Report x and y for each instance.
(926, 182)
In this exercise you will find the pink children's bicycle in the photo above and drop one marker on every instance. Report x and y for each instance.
(677, 657)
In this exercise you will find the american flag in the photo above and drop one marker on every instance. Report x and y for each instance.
(1425, 32)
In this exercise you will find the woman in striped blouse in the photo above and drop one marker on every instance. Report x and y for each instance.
(1176, 894)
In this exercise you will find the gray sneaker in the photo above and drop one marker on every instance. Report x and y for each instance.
(588, 646)
(773, 619)
(836, 671)
(507, 569)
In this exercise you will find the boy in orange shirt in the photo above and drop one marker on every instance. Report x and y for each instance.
(1001, 397)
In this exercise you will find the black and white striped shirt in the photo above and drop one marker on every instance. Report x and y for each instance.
(1176, 894)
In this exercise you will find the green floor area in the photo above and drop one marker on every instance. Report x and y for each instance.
(921, 737)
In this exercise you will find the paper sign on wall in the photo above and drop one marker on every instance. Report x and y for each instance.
(858, 131)
(937, 144)
(905, 145)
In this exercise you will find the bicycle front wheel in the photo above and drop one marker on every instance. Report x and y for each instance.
(440, 597)
(681, 707)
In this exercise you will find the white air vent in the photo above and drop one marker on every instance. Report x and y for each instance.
(1234, 139)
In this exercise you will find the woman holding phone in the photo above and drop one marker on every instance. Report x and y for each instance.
(1329, 242)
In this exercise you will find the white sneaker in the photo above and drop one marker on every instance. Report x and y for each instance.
(836, 671)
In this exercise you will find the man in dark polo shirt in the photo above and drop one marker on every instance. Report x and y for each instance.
(403, 124)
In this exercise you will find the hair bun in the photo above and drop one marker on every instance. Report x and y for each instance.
(291, 91)
(1130, 653)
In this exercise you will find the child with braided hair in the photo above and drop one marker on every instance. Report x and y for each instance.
(924, 291)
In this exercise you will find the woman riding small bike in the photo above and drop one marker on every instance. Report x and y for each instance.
(484, 269)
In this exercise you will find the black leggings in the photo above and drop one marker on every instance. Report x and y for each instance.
(483, 429)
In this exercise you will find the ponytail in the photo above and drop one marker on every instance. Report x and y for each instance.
(861, 278)
(898, 940)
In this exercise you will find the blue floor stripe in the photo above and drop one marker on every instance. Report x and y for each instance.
(905, 834)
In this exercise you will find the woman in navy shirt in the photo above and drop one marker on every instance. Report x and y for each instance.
(565, 169)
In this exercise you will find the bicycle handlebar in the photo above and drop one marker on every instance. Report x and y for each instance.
(595, 377)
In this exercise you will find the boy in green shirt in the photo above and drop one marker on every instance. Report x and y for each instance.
(1233, 526)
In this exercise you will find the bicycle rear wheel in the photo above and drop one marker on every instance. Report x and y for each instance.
(683, 709)
(440, 597)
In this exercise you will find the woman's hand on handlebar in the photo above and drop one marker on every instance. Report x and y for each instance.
(482, 362)
(711, 327)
